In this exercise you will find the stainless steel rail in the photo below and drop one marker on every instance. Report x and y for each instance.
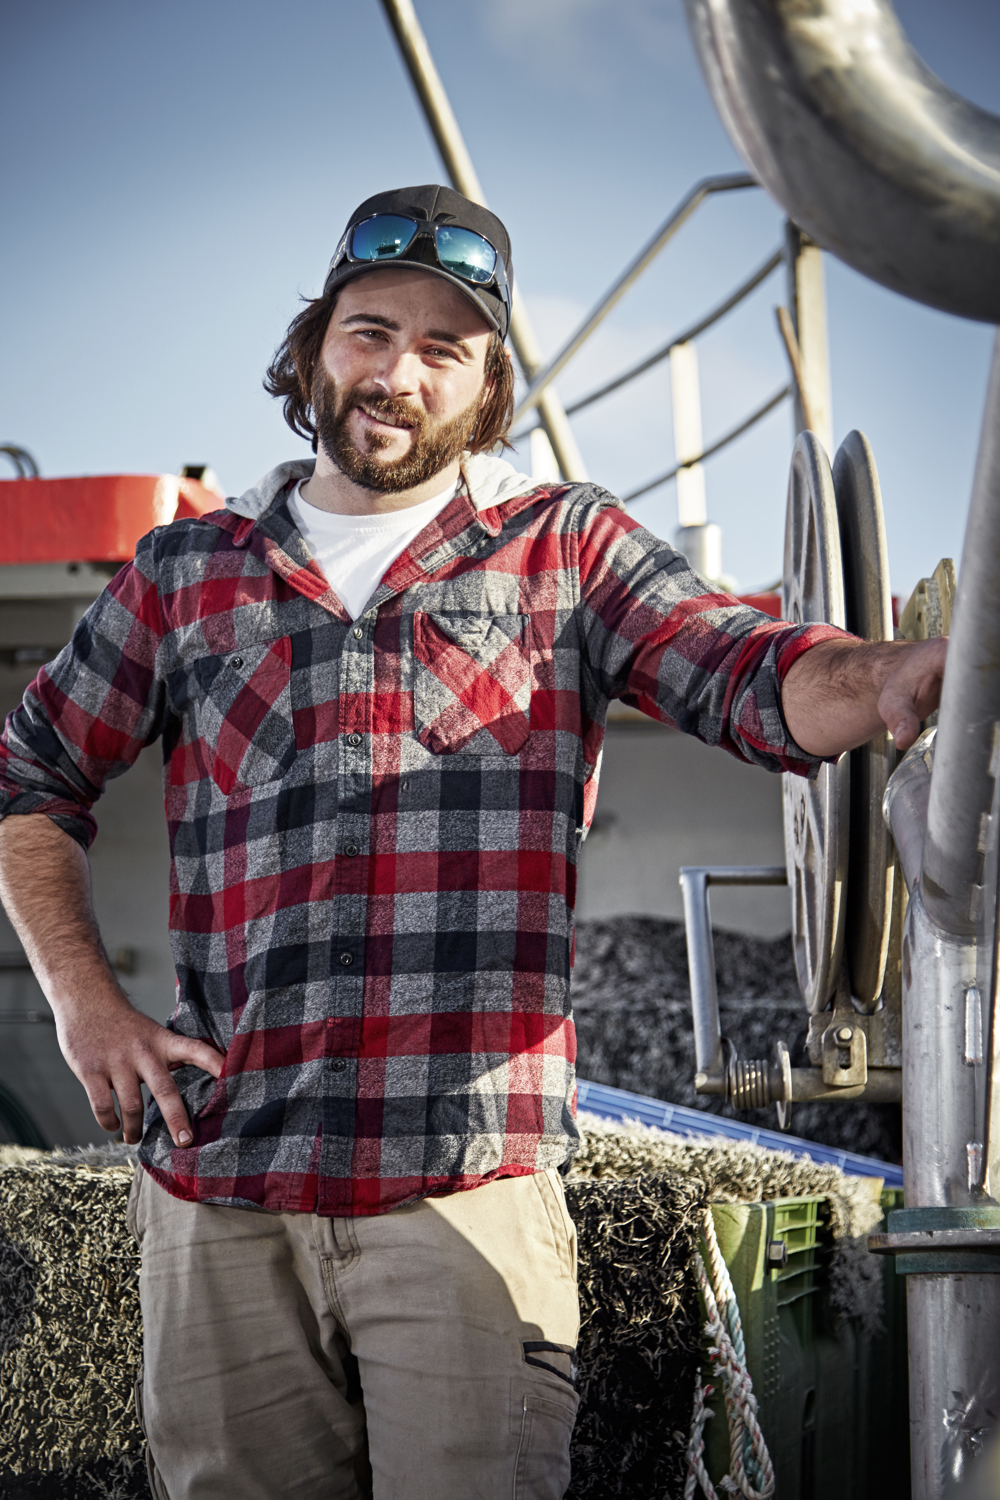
(703, 324)
(755, 1083)
(632, 272)
(21, 459)
(757, 415)
(695, 881)
(869, 152)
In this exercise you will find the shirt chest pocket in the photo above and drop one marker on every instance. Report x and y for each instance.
(243, 714)
(472, 682)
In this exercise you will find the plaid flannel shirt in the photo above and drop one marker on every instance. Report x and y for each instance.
(374, 824)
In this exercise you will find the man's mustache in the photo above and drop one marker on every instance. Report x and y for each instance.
(388, 408)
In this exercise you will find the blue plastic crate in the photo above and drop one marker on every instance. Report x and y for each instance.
(619, 1104)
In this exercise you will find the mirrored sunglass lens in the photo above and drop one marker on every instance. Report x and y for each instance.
(466, 254)
(382, 238)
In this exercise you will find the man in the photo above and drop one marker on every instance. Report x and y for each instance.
(381, 684)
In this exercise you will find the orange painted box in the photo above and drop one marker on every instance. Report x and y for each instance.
(98, 518)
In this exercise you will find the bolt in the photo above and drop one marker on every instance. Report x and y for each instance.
(844, 1034)
(776, 1254)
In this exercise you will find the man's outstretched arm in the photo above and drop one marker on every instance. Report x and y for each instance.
(840, 694)
(111, 1047)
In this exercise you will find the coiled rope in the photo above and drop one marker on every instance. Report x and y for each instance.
(751, 1473)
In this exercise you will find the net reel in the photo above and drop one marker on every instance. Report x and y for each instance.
(839, 853)
(847, 903)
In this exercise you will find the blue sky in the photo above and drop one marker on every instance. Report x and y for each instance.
(176, 176)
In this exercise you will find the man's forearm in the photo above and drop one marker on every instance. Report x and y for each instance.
(840, 694)
(45, 889)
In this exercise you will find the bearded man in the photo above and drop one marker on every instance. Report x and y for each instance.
(381, 681)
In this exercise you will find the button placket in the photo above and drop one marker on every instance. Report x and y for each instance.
(356, 674)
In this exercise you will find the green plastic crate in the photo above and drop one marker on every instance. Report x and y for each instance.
(832, 1401)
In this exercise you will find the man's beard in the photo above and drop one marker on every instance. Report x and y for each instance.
(435, 444)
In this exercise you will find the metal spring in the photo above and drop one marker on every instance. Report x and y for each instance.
(748, 1084)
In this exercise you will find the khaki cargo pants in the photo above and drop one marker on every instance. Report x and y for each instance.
(424, 1354)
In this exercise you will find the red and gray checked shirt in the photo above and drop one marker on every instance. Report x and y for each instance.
(374, 824)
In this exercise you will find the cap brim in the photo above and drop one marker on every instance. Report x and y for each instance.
(350, 270)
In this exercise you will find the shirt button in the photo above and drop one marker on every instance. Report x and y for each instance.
(354, 739)
(339, 1065)
(358, 632)
(351, 850)
(347, 959)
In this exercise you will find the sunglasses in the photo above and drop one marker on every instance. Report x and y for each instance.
(460, 252)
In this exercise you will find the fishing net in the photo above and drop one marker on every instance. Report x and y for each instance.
(70, 1333)
(637, 1196)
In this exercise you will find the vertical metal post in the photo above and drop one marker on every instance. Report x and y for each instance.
(543, 461)
(964, 751)
(953, 1315)
(701, 972)
(458, 164)
(696, 537)
(685, 400)
(953, 1311)
(807, 305)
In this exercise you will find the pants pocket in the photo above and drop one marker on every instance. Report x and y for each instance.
(542, 1470)
(132, 1208)
(156, 1484)
(550, 1190)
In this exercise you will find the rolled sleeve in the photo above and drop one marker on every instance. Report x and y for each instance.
(90, 711)
(662, 639)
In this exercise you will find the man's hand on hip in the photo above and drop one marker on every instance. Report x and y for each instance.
(113, 1049)
(840, 694)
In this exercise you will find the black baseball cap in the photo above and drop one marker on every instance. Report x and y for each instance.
(434, 204)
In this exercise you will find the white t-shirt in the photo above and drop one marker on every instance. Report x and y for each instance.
(355, 552)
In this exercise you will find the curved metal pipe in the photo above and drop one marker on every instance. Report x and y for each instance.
(860, 143)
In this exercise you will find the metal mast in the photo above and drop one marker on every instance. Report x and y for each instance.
(458, 164)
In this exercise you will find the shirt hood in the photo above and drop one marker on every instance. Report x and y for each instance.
(490, 482)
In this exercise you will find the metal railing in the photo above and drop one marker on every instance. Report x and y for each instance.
(21, 459)
(553, 418)
(751, 284)
(701, 190)
(755, 416)
(755, 1082)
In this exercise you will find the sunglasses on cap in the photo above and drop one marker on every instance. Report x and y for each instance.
(460, 252)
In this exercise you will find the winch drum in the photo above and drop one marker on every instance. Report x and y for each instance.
(871, 863)
(839, 854)
(815, 812)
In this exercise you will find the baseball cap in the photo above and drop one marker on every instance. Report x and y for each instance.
(439, 206)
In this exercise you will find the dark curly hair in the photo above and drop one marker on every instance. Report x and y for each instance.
(290, 376)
